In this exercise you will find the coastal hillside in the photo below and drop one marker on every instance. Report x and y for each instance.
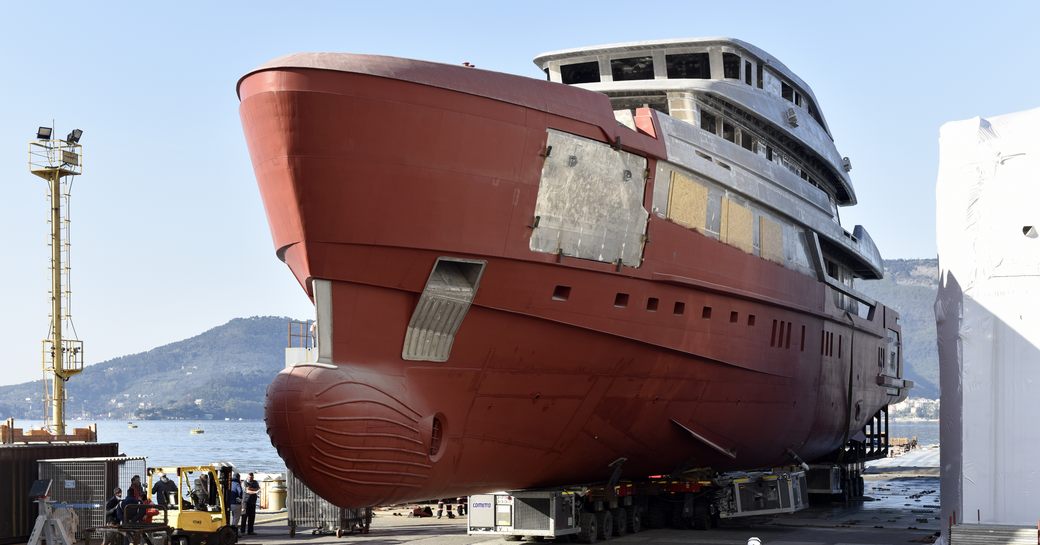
(224, 372)
(220, 373)
(909, 287)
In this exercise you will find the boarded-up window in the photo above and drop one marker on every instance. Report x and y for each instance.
(687, 202)
(770, 239)
(737, 225)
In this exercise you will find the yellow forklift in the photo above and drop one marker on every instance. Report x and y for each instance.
(196, 500)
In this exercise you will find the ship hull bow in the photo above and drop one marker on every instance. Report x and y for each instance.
(348, 435)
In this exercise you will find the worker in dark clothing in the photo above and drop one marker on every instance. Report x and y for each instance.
(252, 491)
(235, 500)
(113, 514)
(133, 514)
(136, 488)
(164, 490)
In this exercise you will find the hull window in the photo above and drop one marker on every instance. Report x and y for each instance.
(561, 293)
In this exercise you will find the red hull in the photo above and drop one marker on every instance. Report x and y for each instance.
(372, 170)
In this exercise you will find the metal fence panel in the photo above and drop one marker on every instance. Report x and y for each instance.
(89, 482)
(309, 510)
(19, 468)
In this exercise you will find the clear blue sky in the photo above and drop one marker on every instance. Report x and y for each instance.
(168, 229)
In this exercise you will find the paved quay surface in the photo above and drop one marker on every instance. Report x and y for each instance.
(900, 508)
(392, 530)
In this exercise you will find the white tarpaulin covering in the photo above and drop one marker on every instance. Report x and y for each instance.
(988, 318)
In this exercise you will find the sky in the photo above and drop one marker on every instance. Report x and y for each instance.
(169, 234)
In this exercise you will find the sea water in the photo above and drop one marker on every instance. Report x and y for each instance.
(243, 443)
(926, 431)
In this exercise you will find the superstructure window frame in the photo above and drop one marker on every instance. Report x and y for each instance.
(709, 121)
(695, 65)
(632, 68)
(730, 65)
(580, 72)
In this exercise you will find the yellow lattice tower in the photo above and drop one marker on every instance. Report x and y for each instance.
(58, 162)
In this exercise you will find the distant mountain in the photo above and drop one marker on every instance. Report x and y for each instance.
(223, 372)
(909, 287)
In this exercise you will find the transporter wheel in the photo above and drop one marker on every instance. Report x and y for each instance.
(588, 530)
(656, 516)
(513, 538)
(292, 530)
(606, 525)
(620, 516)
(861, 486)
(701, 516)
(226, 536)
(676, 518)
(635, 519)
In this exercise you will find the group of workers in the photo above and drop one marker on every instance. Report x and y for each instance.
(242, 500)
(442, 505)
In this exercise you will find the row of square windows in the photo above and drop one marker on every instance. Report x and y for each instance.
(562, 293)
(779, 338)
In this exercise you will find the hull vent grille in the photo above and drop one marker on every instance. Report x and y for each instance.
(444, 302)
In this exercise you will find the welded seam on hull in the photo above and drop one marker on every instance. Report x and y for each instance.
(345, 382)
(350, 434)
(355, 481)
(359, 460)
(364, 419)
(372, 401)
(728, 452)
(370, 449)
